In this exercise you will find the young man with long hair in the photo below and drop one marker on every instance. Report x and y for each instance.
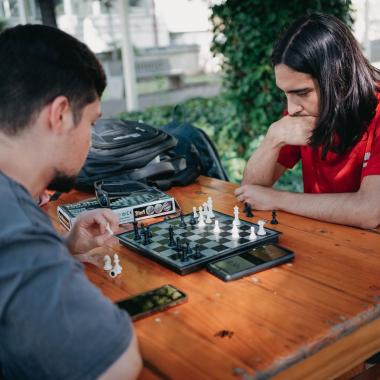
(332, 125)
(54, 324)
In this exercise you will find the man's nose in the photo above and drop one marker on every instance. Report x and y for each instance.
(293, 108)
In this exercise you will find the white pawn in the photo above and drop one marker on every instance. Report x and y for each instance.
(201, 220)
(208, 219)
(117, 267)
(235, 230)
(195, 212)
(200, 209)
(107, 263)
(252, 235)
(216, 229)
(236, 214)
(261, 231)
(209, 206)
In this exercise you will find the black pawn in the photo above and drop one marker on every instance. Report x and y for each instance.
(248, 210)
(149, 232)
(182, 224)
(192, 220)
(188, 249)
(146, 238)
(171, 237)
(178, 244)
(184, 256)
(137, 236)
(197, 252)
(274, 220)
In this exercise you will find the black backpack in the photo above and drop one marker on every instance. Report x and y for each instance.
(174, 155)
(187, 135)
(130, 150)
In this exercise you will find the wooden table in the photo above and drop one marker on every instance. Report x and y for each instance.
(312, 319)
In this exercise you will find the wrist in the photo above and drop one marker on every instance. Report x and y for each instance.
(273, 138)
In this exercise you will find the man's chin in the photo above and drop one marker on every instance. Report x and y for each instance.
(62, 183)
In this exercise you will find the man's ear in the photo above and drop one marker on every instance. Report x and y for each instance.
(60, 117)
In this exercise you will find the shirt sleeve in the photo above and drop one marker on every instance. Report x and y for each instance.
(57, 324)
(371, 164)
(289, 155)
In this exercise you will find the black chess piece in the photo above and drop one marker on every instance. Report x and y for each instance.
(193, 220)
(182, 224)
(274, 220)
(146, 238)
(149, 233)
(178, 244)
(188, 249)
(171, 237)
(137, 236)
(184, 255)
(248, 210)
(197, 252)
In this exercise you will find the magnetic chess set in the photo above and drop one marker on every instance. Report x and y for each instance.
(189, 242)
(147, 203)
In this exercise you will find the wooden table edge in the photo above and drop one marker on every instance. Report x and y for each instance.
(337, 358)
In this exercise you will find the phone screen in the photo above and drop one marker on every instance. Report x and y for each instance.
(251, 258)
(154, 300)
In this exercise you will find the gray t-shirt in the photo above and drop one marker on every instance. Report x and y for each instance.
(54, 324)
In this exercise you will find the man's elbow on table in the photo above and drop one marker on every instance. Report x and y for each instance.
(128, 366)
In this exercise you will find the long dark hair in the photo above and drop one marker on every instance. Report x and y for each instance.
(323, 46)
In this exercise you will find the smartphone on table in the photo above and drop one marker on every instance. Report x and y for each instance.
(150, 302)
(251, 261)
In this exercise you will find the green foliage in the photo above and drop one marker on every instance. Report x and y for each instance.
(3, 25)
(244, 34)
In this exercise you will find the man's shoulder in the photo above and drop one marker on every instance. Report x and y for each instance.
(18, 210)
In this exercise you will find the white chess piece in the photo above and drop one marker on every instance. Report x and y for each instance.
(195, 212)
(216, 229)
(205, 208)
(252, 235)
(208, 219)
(117, 267)
(235, 230)
(210, 207)
(200, 209)
(108, 229)
(107, 263)
(261, 231)
(236, 214)
(201, 220)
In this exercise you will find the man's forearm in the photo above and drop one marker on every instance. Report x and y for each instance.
(342, 208)
(261, 167)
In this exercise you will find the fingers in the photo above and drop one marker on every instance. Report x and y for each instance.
(101, 240)
(102, 218)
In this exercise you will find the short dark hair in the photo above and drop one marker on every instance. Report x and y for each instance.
(39, 63)
(323, 46)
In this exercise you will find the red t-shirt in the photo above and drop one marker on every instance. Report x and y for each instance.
(337, 173)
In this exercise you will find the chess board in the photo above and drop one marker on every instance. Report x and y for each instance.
(212, 246)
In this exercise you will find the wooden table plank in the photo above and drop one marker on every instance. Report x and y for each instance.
(322, 310)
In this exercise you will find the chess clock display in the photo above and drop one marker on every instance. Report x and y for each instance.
(250, 261)
(153, 301)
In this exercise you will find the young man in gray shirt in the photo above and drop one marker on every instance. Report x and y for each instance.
(54, 324)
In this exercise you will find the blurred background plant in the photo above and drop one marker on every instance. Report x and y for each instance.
(237, 120)
(3, 25)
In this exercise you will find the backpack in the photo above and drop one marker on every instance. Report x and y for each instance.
(187, 134)
(130, 150)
